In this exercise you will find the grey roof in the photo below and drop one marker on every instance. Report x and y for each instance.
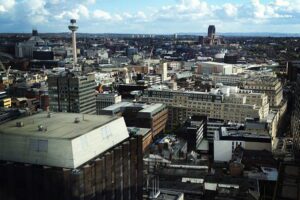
(116, 106)
(60, 125)
(64, 144)
(153, 107)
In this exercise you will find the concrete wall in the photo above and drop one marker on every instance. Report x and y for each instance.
(59, 152)
(115, 174)
(50, 151)
(97, 141)
(223, 148)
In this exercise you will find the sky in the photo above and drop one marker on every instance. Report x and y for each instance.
(151, 16)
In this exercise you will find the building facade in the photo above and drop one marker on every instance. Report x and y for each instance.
(214, 67)
(227, 139)
(90, 158)
(231, 107)
(152, 116)
(104, 100)
(72, 93)
(271, 86)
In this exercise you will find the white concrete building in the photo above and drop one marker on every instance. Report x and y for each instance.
(233, 79)
(104, 100)
(227, 139)
(225, 103)
(65, 140)
(214, 67)
(25, 49)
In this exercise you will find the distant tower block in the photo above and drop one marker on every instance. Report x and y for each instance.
(73, 27)
(164, 72)
(211, 31)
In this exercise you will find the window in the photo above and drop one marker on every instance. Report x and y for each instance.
(39, 145)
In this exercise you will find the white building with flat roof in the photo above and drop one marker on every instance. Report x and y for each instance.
(228, 138)
(214, 68)
(66, 140)
(226, 103)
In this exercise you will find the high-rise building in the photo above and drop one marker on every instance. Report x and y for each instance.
(69, 92)
(211, 31)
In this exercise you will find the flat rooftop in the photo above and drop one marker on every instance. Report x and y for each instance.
(117, 106)
(152, 108)
(59, 125)
(228, 133)
(138, 131)
(216, 63)
(66, 140)
(169, 195)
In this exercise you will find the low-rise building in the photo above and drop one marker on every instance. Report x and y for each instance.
(234, 79)
(194, 132)
(228, 138)
(226, 104)
(5, 101)
(214, 67)
(271, 86)
(153, 116)
(104, 100)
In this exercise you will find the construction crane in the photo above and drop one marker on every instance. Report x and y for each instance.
(3, 70)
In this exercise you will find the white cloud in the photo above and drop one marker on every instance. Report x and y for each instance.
(82, 10)
(141, 15)
(76, 13)
(2, 9)
(102, 15)
(36, 5)
(118, 17)
(36, 11)
(90, 1)
(181, 14)
(6, 5)
(269, 11)
(231, 10)
(282, 3)
(54, 2)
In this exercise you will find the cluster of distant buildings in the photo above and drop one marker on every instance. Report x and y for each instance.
(124, 122)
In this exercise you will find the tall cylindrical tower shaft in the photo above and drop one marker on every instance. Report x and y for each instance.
(73, 27)
(74, 47)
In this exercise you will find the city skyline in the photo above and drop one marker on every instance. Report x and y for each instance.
(155, 17)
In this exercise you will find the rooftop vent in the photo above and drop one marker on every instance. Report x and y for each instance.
(49, 115)
(77, 120)
(19, 124)
(42, 128)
